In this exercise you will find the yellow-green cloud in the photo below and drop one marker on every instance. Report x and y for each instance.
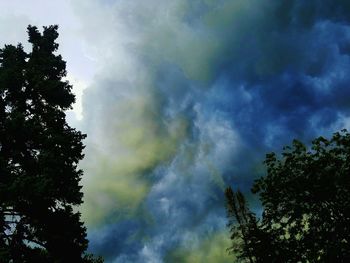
(212, 249)
(132, 141)
(186, 44)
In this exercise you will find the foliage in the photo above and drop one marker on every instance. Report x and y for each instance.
(306, 206)
(39, 153)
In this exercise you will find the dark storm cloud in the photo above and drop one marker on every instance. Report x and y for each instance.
(191, 97)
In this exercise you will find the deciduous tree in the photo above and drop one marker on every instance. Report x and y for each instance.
(306, 206)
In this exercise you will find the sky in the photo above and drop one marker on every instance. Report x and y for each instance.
(181, 99)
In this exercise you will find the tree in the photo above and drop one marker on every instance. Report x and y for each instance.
(306, 206)
(39, 153)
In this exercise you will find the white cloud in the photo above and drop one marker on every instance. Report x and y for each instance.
(16, 15)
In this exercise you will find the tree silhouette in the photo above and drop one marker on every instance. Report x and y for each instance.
(39, 153)
(306, 206)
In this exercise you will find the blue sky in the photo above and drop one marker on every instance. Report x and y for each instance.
(181, 99)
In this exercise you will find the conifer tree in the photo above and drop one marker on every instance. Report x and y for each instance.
(39, 153)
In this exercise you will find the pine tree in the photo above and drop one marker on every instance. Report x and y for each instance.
(39, 153)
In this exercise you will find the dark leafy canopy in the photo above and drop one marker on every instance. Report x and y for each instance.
(306, 206)
(39, 153)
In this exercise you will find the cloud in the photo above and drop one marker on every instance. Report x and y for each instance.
(182, 98)
(124, 147)
(188, 99)
(211, 249)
